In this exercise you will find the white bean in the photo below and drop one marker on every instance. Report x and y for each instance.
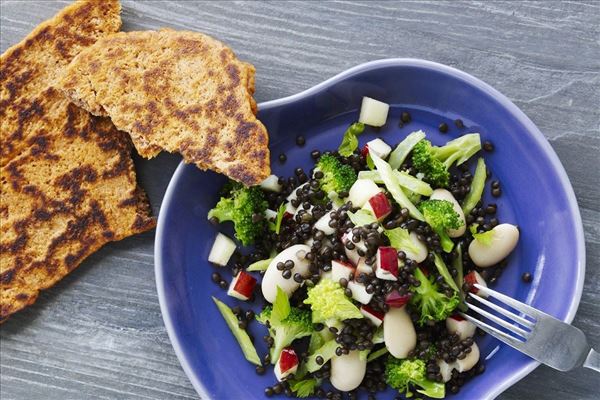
(347, 371)
(398, 332)
(443, 194)
(273, 277)
(469, 361)
(504, 240)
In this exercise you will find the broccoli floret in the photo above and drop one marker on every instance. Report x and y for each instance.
(434, 162)
(238, 206)
(329, 304)
(296, 325)
(429, 301)
(424, 161)
(440, 215)
(404, 375)
(337, 177)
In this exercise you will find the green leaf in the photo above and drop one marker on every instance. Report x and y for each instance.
(240, 335)
(281, 307)
(304, 388)
(280, 214)
(377, 353)
(485, 238)
(401, 151)
(404, 179)
(443, 270)
(477, 186)
(260, 265)
(361, 217)
(350, 140)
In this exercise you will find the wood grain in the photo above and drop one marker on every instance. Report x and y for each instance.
(99, 333)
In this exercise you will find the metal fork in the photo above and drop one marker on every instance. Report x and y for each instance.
(537, 334)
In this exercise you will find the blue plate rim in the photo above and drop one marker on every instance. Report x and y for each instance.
(539, 138)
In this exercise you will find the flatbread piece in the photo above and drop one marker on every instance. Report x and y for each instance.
(177, 91)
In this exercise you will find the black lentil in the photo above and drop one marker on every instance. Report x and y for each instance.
(405, 117)
(459, 123)
(527, 277)
(260, 370)
(315, 154)
(216, 277)
(300, 140)
(488, 146)
(443, 127)
(223, 284)
(282, 158)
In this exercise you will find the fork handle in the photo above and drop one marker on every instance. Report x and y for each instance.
(593, 360)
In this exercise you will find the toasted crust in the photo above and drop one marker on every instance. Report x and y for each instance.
(179, 91)
(67, 179)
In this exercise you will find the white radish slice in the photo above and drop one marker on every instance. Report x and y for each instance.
(274, 278)
(373, 112)
(504, 240)
(271, 183)
(443, 194)
(398, 332)
(221, 250)
(469, 361)
(347, 371)
(380, 148)
(361, 191)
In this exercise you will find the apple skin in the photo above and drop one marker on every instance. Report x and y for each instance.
(387, 259)
(287, 360)
(245, 284)
(395, 299)
(380, 205)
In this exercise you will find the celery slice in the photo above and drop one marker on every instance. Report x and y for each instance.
(240, 335)
(401, 151)
(477, 186)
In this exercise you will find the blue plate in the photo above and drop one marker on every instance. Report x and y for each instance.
(537, 196)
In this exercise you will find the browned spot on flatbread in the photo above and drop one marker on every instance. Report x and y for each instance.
(173, 90)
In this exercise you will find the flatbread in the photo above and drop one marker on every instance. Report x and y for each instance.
(177, 91)
(67, 179)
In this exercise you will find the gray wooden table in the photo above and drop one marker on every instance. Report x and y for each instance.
(99, 333)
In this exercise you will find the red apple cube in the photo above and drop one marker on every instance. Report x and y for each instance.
(286, 364)
(242, 286)
(379, 205)
(387, 263)
(364, 151)
(341, 269)
(363, 268)
(473, 278)
(359, 292)
(395, 299)
(375, 317)
(460, 326)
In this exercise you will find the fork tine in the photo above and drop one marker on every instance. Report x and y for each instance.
(503, 311)
(499, 321)
(498, 334)
(517, 305)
